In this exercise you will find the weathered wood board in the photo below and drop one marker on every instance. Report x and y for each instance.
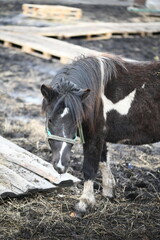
(44, 47)
(55, 12)
(102, 30)
(21, 172)
(98, 30)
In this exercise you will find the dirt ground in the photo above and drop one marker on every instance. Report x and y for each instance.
(134, 213)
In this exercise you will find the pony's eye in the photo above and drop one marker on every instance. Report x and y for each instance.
(50, 121)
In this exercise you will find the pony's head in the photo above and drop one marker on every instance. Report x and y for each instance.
(64, 107)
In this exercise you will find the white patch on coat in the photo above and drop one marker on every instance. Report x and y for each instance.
(122, 107)
(108, 181)
(65, 112)
(87, 198)
(64, 144)
(144, 84)
(101, 63)
(59, 164)
(130, 60)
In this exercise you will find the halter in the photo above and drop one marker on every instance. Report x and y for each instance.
(65, 139)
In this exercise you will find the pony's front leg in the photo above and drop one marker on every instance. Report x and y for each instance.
(87, 198)
(92, 155)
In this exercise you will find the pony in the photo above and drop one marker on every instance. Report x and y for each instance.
(103, 98)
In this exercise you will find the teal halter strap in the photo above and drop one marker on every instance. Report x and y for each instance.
(67, 140)
(80, 130)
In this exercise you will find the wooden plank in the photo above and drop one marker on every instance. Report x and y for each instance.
(89, 30)
(15, 179)
(22, 172)
(7, 189)
(7, 192)
(37, 181)
(7, 44)
(50, 7)
(85, 29)
(99, 28)
(53, 47)
(55, 12)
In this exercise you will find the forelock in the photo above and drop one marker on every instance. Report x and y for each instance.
(69, 95)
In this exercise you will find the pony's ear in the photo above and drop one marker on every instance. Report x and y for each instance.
(85, 93)
(47, 92)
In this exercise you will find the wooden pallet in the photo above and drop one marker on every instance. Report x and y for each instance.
(44, 47)
(52, 12)
(91, 31)
(22, 172)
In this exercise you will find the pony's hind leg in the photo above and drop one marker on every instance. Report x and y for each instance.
(108, 181)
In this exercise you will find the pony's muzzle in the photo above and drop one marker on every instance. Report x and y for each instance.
(60, 170)
(61, 164)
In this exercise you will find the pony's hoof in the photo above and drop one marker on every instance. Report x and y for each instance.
(82, 205)
(108, 188)
(108, 192)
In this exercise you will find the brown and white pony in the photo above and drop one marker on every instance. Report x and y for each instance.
(107, 99)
